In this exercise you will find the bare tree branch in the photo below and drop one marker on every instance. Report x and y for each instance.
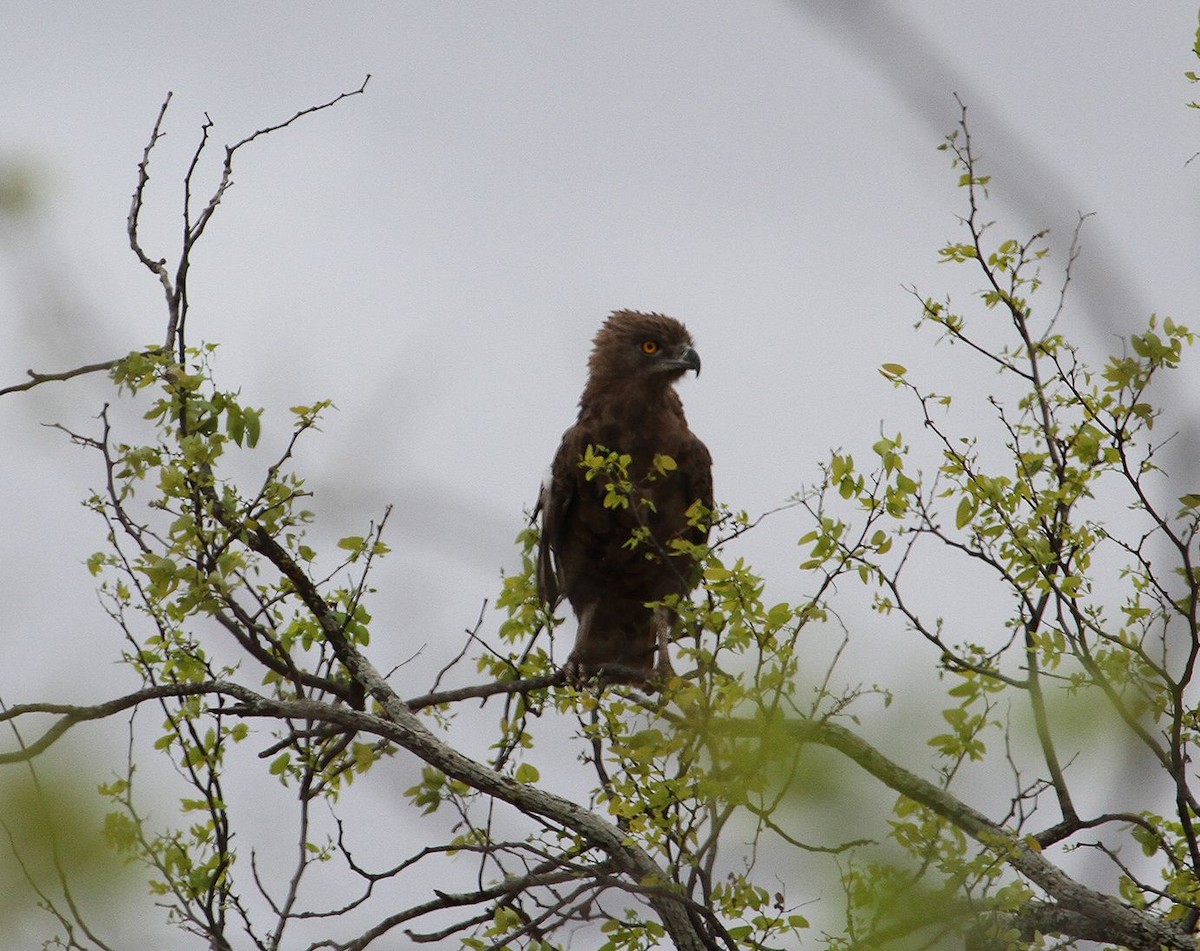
(71, 714)
(36, 378)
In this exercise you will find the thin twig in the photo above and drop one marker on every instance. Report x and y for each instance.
(36, 378)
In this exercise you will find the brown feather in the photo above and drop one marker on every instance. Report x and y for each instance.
(630, 406)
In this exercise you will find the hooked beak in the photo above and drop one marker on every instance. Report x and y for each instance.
(687, 359)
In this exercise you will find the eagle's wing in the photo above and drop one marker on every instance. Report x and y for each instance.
(555, 500)
(695, 463)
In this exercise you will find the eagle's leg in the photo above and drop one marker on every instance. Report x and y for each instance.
(663, 671)
(615, 654)
(576, 671)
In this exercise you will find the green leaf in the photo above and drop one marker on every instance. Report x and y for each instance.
(966, 511)
(664, 464)
(235, 424)
(779, 615)
(527, 773)
(253, 420)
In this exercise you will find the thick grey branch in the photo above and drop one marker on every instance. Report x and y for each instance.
(399, 725)
(1075, 902)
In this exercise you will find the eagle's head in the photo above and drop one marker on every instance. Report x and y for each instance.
(649, 348)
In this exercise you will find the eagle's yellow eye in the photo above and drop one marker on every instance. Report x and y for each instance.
(650, 347)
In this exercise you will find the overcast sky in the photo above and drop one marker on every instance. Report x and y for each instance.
(435, 255)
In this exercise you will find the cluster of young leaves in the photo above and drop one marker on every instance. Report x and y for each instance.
(182, 577)
(932, 900)
(623, 489)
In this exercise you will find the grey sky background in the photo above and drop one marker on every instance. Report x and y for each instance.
(435, 255)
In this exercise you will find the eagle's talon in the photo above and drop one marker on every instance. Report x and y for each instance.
(581, 675)
(576, 674)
